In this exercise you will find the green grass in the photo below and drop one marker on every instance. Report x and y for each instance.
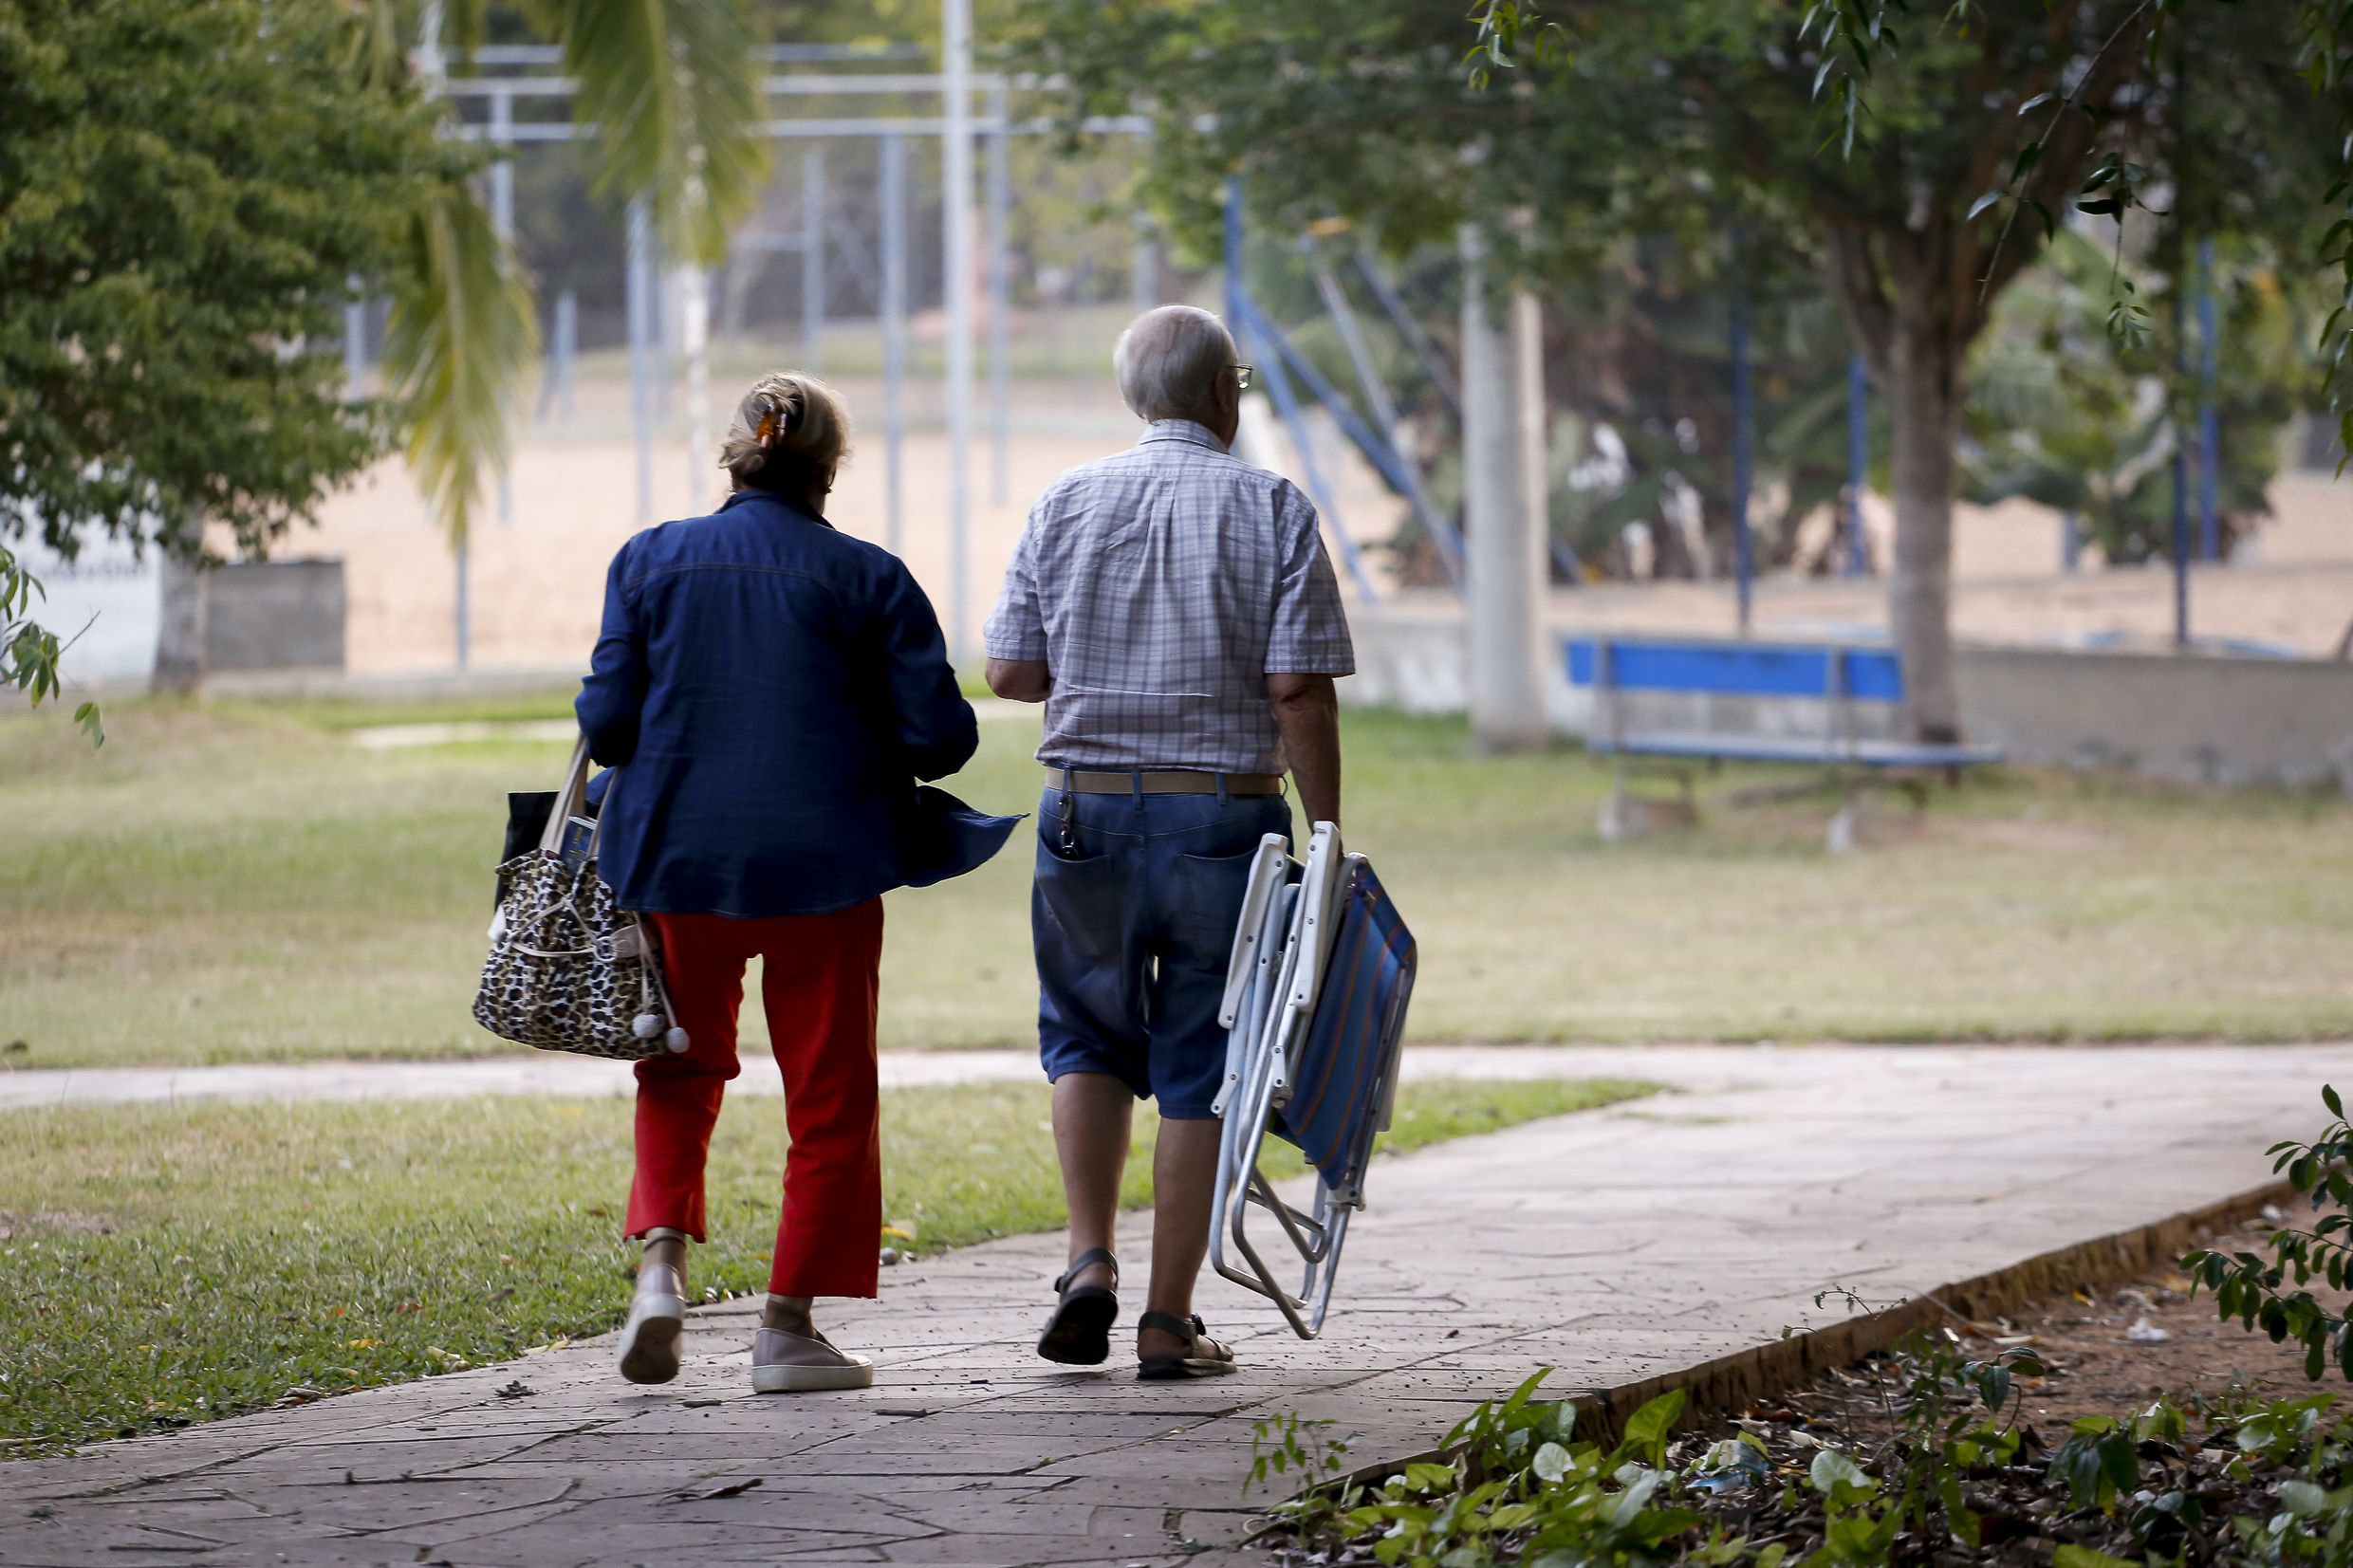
(175, 1266)
(238, 883)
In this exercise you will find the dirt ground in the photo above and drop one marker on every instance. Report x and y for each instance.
(536, 572)
(2107, 1353)
(2098, 1367)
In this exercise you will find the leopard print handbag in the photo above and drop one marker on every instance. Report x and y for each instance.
(570, 970)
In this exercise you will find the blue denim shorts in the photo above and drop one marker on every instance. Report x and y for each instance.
(1134, 933)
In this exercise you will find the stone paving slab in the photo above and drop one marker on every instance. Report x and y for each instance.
(1613, 1245)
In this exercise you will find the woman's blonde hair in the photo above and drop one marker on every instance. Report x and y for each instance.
(789, 430)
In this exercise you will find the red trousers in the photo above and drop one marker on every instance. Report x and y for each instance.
(819, 984)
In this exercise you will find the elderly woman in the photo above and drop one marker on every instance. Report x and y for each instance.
(766, 691)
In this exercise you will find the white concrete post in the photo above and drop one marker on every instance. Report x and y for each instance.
(1528, 380)
(1507, 705)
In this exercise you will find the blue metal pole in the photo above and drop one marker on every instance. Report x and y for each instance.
(1287, 406)
(567, 352)
(1405, 476)
(1858, 462)
(2070, 540)
(1233, 254)
(355, 343)
(2209, 421)
(1744, 552)
(1271, 339)
(893, 328)
(1432, 364)
(2181, 480)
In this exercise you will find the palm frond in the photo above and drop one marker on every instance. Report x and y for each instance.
(372, 48)
(462, 337)
(673, 89)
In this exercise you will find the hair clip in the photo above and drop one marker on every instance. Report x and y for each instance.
(765, 434)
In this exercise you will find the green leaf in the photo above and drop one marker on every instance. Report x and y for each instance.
(1832, 1468)
(1993, 1387)
(673, 90)
(2328, 1091)
(2301, 1498)
(1647, 1429)
(2068, 1555)
(462, 335)
(1551, 1463)
(1988, 199)
(1424, 1477)
(93, 724)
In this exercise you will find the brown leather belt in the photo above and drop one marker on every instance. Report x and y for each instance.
(1162, 782)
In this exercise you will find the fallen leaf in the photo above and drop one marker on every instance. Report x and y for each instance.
(706, 1494)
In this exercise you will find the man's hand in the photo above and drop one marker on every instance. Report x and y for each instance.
(1020, 680)
(1306, 714)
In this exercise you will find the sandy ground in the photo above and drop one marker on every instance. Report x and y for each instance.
(537, 578)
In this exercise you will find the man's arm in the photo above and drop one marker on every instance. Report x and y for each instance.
(1020, 680)
(1307, 713)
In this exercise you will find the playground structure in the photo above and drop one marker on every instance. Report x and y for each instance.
(1497, 554)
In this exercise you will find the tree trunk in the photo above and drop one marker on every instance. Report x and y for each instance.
(1924, 407)
(1914, 338)
(179, 632)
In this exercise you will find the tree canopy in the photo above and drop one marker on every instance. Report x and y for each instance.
(1707, 122)
(186, 191)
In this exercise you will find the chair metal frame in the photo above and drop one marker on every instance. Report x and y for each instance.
(1273, 983)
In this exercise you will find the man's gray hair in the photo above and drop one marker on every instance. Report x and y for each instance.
(1167, 362)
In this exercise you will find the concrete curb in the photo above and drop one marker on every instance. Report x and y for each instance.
(1746, 1377)
(1730, 1382)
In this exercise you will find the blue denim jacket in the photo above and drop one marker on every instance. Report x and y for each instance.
(768, 692)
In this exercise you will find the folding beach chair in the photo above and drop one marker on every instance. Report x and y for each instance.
(1314, 1010)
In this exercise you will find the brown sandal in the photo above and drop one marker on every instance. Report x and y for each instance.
(1203, 1357)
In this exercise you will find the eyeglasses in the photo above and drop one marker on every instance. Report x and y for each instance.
(1242, 374)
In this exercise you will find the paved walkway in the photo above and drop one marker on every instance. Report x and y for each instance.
(1612, 1246)
(554, 1073)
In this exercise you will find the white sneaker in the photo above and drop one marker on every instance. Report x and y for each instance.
(649, 1340)
(796, 1363)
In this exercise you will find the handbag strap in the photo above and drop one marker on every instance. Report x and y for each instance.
(596, 833)
(570, 799)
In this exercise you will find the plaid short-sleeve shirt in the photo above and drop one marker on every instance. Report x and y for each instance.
(1161, 587)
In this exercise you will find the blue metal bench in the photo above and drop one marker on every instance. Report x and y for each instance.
(1837, 676)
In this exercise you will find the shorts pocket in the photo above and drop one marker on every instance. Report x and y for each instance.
(1209, 890)
(1082, 905)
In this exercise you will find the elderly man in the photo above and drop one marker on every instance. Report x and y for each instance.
(1174, 609)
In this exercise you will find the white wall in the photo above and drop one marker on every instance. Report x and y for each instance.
(107, 603)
